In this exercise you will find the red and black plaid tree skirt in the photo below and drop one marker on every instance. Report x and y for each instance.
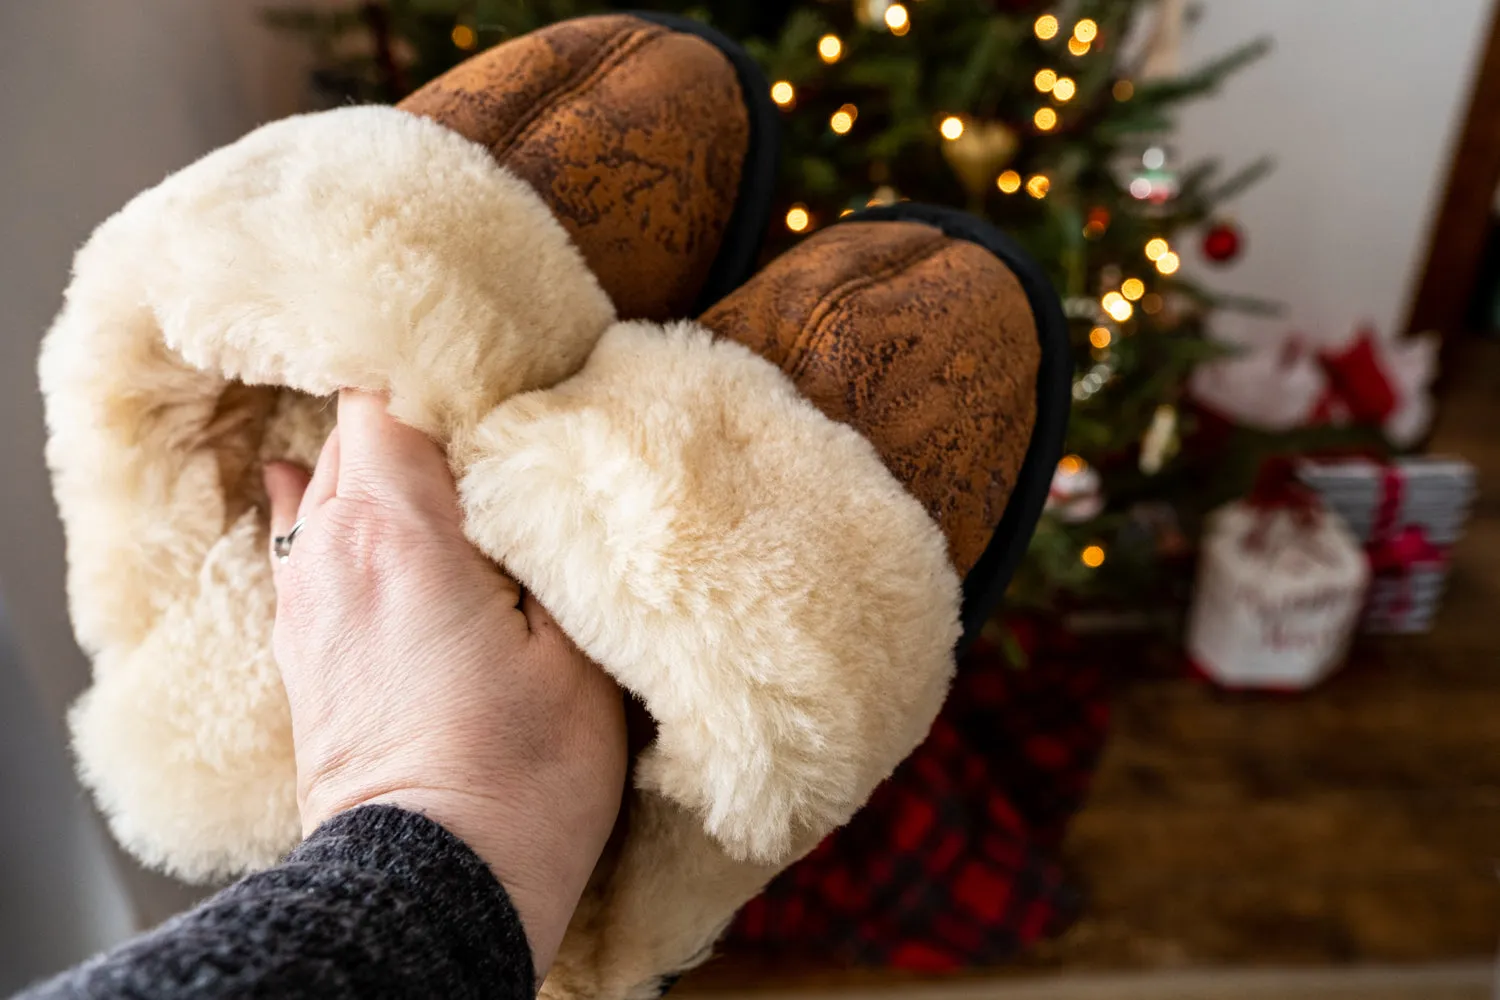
(952, 863)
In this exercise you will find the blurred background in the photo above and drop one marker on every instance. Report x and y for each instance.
(1235, 733)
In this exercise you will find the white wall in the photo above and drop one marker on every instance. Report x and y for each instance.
(1359, 103)
(98, 99)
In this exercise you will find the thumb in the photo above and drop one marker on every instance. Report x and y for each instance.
(285, 485)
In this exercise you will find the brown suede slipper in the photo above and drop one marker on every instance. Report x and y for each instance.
(942, 342)
(943, 346)
(771, 531)
(651, 137)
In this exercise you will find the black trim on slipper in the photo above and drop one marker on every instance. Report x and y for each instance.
(985, 585)
(739, 252)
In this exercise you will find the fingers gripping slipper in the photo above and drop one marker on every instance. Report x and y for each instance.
(777, 578)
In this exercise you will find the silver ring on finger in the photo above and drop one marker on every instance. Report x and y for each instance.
(281, 545)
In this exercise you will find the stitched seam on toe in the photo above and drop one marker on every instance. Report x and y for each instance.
(816, 330)
(609, 58)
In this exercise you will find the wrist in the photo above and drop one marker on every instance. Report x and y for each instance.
(510, 839)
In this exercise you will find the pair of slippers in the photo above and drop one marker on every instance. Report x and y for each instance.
(773, 525)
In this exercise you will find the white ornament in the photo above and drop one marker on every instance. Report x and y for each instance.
(1077, 493)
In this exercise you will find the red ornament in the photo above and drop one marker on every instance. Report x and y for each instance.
(1222, 242)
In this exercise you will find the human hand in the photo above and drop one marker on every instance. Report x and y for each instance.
(419, 676)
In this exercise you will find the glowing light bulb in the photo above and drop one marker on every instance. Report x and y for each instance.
(1168, 263)
(1045, 27)
(1064, 89)
(1071, 464)
(1085, 30)
(951, 128)
(783, 93)
(1038, 186)
(1155, 247)
(1045, 79)
(1045, 119)
(1123, 90)
(1009, 182)
(897, 19)
(464, 37)
(1092, 556)
(1117, 306)
(1133, 289)
(843, 119)
(1140, 188)
(1100, 337)
(830, 48)
(1078, 48)
(798, 219)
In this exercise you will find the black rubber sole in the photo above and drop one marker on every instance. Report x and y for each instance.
(740, 250)
(985, 585)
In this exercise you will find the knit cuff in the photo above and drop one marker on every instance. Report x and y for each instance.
(457, 897)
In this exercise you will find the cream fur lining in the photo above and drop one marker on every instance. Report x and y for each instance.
(364, 247)
(750, 569)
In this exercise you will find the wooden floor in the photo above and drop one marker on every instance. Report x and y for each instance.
(1358, 824)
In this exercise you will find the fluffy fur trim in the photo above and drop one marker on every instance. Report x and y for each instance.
(360, 247)
(747, 567)
(752, 571)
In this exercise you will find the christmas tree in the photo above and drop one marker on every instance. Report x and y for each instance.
(1052, 120)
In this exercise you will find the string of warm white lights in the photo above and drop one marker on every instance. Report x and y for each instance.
(897, 19)
(1117, 305)
(1060, 88)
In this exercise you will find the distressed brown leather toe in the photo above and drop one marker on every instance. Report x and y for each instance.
(943, 344)
(651, 138)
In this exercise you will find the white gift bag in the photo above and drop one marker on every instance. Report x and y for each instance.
(1279, 594)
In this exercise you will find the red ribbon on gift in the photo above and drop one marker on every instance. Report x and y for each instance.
(1397, 552)
(1358, 380)
(1277, 489)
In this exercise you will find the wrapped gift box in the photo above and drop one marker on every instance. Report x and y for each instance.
(1407, 514)
(1279, 592)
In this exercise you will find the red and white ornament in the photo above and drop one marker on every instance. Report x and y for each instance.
(1077, 493)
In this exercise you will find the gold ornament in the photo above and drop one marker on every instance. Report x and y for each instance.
(979, 153)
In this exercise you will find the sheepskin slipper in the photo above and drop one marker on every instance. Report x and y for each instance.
(782, 606)
(776, 574)
(939, 342)
(942, 342)
(652, 138)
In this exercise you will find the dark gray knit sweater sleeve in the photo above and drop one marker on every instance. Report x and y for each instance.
(378, 902)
